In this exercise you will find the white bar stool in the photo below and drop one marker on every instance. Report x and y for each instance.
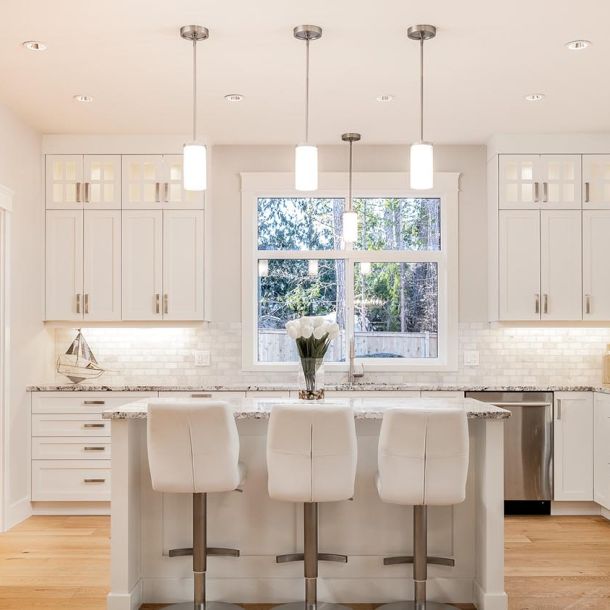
(193, 447)
(311, 458)
(423, 461)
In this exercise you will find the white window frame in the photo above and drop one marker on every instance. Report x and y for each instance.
(365, 185)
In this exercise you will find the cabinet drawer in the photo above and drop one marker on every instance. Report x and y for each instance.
(70, 448)
(83, 402)
(70, 425)
(64, 480)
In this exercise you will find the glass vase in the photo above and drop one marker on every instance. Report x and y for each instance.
(311, 379)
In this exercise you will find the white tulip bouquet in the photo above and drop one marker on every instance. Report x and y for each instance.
(313, 336)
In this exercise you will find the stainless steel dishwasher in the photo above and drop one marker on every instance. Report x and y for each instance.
(528, 449)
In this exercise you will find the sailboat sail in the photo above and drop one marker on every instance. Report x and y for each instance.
(79, 363)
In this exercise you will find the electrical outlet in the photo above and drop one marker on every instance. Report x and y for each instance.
(201, 358)
(471, 358)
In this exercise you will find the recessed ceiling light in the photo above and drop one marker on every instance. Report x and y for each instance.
(578, 45)
(535, 97)
(34, 45)
(385, 98)
(234, 97)
(83, 98)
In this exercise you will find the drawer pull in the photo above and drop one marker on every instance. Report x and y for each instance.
(201, 396)
(94, 402)
(94, 480)
(94, 425)
(94, 448)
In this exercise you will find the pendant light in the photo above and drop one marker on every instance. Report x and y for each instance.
(194, 162)
(422, 154)
(350, 218)
(306, 155)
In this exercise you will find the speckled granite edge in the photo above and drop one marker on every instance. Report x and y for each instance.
(338, 387)
(364, 408)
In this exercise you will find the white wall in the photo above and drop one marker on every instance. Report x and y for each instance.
(225, 212)
(30, 355)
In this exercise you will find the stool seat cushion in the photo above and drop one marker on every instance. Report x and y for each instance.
(311, 453)
(423, 455)
(193, 446)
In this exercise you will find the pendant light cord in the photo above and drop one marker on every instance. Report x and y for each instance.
(194, 91)
(307, 91)
(421, 89)
(349, 200)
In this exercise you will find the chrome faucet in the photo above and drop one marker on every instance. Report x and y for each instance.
(352, 375)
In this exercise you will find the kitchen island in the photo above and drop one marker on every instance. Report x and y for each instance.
(146, 524)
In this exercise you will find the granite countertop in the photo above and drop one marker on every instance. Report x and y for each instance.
(395, 387)
(364, 408)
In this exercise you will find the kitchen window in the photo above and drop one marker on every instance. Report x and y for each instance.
(393, 292)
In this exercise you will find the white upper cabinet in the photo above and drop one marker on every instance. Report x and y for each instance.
(83, 182)
(183, 255)
(596, 270)
(102, 265)
(155, 182)
(596, 182)
(573, 446)
(64, 265)
(539, 182)
(561, 265)
(142, 271)
(519, 265)
(601, 457)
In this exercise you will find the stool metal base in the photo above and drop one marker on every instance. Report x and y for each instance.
(305, 606)
(411, 605)
(206, 606)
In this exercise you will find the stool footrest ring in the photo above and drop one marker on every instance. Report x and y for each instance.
(439, 561)
(290, 557)
(210, 551)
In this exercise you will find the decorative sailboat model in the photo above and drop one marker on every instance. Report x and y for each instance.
(79, 363)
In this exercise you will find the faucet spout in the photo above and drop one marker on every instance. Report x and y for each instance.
(352, 375)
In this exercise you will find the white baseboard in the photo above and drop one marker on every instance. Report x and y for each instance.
(575, 508)
(605, 513)
(70, 508)
(279, 590)
(489, 601)
(125, 601)
(17, 512)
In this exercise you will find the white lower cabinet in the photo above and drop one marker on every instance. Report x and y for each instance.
(601, 465)
(70, 480)
(573, 446)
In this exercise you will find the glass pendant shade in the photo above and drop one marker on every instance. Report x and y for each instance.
(194, 170)
(306, 168)
(365, 268)
(422, 166)
(350, 227)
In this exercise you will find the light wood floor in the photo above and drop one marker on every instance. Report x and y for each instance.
(62, 563)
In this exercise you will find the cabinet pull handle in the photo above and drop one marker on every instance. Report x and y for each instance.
(545, 192)
(165, 303)
(546, 303)
(86, 302)
(587, 192)
(558, 409)
(78, 303)
(94, 448)
(94, 402)
(167, 192)
(157, 303)
(536, 192)
(94, 425)
(78, 193)
(587, 303)
(201, 396)
(537, 303)
(94, 480)
(157, 192)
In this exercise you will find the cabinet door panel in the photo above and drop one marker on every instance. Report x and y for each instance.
(596, 182)
(174, 196)
(601, 460)
(561, 265)
(64, 265)
(596, 270)
(102, 265)
(517, 185)
(102, 178)
(142, 178)
(183, 253)
(573, 442)
(560, 183)
(519, 265)
(142, 264)
(64, 177)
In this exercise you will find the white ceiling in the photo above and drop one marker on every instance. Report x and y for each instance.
(128, 55)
